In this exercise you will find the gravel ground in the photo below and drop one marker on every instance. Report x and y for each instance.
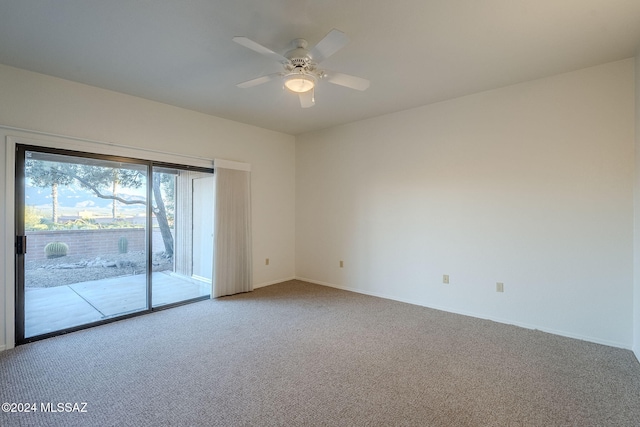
(73, 269)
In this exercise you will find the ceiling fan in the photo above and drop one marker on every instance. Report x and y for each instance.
(301, 72)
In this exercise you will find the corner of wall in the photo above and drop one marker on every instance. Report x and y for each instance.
(636, 200)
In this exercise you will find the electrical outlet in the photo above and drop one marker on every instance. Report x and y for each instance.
(266, 261)
(341, 264)
(499, 287)
(445, 279)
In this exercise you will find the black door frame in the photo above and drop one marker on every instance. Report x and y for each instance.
(19, 232)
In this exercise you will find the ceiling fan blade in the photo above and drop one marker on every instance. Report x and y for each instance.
(257, 81)
(330, 44)
(307, 99)
(346, 80)
(256, 47)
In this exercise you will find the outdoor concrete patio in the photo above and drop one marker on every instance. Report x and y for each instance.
(52, 309)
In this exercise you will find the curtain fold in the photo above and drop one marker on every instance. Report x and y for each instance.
(232, 259)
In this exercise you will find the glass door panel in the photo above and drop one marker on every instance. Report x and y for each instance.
(85, 226)
(182, 238)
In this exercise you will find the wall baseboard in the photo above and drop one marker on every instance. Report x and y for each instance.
(477, 316)
(3, 347)
(636, 352)
(273, 282)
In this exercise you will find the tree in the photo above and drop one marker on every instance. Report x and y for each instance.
(161, 214)
(99, 180)
(114, 191)
(32, 219)
(46, 174)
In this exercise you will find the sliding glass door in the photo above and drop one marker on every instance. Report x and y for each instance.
(100, 238)
(182, 235)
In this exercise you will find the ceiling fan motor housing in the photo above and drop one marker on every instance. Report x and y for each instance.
(299, 62)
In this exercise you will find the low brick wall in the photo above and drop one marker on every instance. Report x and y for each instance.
(89, 243)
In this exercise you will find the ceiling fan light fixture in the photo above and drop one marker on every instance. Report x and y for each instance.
(299, 83)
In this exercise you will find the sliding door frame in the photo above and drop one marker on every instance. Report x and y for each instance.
(19, 230)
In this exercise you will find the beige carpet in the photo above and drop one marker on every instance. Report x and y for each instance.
(298, 354)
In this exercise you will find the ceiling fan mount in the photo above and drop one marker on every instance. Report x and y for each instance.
(300, 66)
(299, 51)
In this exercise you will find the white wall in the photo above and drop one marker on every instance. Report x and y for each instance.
(42, 103)
(530, 185)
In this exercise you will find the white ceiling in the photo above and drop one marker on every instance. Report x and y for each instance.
(415, 52)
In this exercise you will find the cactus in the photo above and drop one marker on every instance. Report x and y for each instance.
(56, 249)
(123, 245)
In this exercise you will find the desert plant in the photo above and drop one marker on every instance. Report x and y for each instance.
(123, 245)
(56, 249)
(32, 219)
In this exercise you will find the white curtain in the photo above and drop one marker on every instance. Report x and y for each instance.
(232, 260)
